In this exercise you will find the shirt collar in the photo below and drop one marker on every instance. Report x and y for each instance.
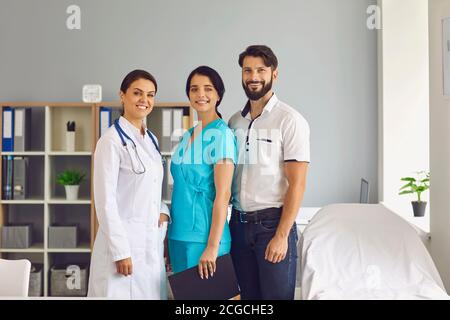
(131, 127)
(245, 112)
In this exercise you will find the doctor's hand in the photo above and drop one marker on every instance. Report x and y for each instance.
(276, 249)
(207, 262)
(162, 218)
(124, 266)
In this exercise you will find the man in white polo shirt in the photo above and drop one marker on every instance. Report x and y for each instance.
(269, 182)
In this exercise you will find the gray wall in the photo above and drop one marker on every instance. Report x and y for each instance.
(328, 64)
(439, 145)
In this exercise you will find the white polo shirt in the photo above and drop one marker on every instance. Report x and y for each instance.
(278, 135)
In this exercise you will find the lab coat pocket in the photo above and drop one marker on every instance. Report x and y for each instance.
(119, 287)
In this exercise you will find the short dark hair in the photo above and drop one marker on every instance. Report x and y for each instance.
(262, 51)
(136, 75)
(215, 79)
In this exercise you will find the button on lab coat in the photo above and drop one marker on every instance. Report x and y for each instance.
(128, 206)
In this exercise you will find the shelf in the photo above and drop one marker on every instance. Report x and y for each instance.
(65, 153)
(37, 248)
(24, 153)
(64, 201)
(50, 153)
(51, 201)
(57, 119)
(57, 165)
(31, 201)
(83, 248)
(32, 170)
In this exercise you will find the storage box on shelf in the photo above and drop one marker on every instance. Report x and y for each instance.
(35, 285)
(22, 227)
(63, 236)
(68, 274)
(17, 236)
(69, 224)
(68, 281)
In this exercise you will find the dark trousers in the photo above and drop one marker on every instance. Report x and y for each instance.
(258, 278)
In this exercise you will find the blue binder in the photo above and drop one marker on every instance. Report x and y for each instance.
(7, 177)
(8, 130)
(105, 119)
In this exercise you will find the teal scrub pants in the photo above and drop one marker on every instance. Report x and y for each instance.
(184, 254)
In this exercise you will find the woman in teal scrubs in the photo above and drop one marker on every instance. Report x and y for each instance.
(202, 169)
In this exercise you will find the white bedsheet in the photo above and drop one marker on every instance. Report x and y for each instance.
(365, 251)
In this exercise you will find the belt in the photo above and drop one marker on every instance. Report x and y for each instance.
(258, 215)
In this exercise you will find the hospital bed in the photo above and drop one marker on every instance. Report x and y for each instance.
(365, 251)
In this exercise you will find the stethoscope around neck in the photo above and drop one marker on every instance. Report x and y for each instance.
(123, 135)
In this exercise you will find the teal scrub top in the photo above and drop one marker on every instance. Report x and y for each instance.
(192, 169)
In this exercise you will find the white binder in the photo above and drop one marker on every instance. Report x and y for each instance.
(20, 188)
(166, 144)
(177, 129)
(105, 119)
(22, 121)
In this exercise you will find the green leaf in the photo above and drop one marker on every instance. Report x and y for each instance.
(408, 179)
(406, 186)
(406, 192)
(420, 189)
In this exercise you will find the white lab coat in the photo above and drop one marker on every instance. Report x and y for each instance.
(128, 206)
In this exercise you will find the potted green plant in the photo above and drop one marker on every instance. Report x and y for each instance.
(417, 185)
(71, 180)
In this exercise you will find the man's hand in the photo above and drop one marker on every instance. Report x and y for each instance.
(276, 249)
(124, 266)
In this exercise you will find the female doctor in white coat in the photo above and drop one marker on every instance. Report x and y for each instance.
(127, 259)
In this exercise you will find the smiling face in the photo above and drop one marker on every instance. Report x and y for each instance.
(139, 99)
(257, 78)
(202, 94)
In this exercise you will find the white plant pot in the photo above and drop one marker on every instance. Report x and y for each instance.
(70, 141)
(72, 192)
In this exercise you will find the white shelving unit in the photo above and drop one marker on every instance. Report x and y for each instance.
(46, 203)
(52, 158)
(36, 248)
(64, 153)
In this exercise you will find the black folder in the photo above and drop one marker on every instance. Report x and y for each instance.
(187, 285)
